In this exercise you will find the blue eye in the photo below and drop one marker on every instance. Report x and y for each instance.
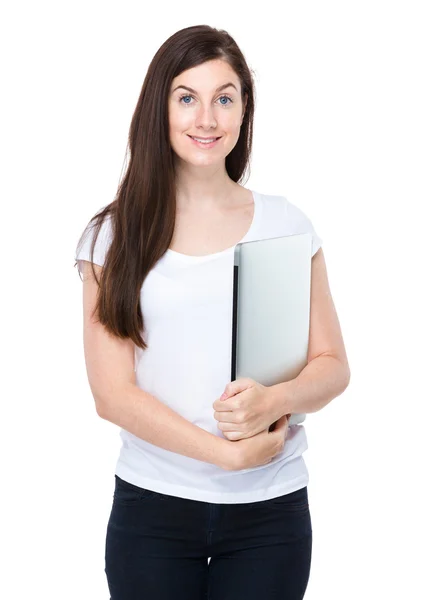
(182, 98)
(227, 98)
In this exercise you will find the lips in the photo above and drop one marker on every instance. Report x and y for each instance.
(199, 138)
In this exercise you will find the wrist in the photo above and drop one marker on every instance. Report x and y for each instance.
(278, 406)
(228, 454)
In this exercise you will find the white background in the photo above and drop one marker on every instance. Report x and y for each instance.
(345, 128)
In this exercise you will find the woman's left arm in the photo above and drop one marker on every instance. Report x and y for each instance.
(327, 373)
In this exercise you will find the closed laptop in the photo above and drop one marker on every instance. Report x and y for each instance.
(271, 309)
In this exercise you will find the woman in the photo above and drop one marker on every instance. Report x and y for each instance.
(199, 475)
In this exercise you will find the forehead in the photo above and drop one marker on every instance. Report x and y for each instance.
(207, 76)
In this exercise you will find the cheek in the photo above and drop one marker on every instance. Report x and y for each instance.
(231, 125)
(180, 121)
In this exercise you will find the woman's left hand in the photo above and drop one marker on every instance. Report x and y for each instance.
(245, 409)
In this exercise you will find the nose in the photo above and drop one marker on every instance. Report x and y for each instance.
(205, 118)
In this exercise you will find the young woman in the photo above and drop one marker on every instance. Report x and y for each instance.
(199, 475)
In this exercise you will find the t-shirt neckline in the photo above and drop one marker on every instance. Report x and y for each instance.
(198, 258)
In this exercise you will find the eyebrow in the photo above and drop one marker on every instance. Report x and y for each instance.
(221, 87)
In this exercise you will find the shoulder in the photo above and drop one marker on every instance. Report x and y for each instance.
(294, 218)
(102, 243)
(280, 205)
(296, 215)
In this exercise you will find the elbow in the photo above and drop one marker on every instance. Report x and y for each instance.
(101, 406)
(107, 401)
(101, 411)
(347, 376)
(343, 372)
(342, 375)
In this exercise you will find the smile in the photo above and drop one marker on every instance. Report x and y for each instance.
(207, 143)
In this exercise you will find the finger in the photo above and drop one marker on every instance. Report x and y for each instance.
(224, 417)
(234, 436)
(237, 386)
(228, 426)
(223, 405)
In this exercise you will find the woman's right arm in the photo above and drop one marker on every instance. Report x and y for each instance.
(111, 375)
(140, 413)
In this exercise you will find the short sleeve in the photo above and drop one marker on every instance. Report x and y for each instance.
(83, 250)
(300, 223)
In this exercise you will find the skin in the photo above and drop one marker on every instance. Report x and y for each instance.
(201, 179)
(206, 196)
(110, 361)
(205, 191)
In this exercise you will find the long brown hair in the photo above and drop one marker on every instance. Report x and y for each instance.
(143, 213)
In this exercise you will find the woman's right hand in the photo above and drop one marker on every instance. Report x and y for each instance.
(259, 449)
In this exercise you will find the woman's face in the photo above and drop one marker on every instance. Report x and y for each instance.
(209, 109)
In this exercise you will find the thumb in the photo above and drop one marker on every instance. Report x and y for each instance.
(281, 425)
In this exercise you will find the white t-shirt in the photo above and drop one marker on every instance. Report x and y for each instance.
(186, 302)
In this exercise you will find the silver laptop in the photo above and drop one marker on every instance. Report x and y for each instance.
(271, 309)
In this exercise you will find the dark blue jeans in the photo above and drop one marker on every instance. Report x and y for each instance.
(157, 547)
